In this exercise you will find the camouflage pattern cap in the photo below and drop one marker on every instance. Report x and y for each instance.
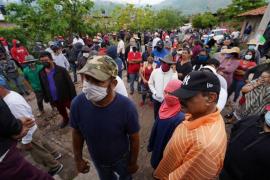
(100, 67)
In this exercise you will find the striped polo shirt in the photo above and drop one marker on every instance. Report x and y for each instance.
(196, 150)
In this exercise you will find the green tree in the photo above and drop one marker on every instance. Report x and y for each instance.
(237, 7)
(47, 18)
(145, 18)
(205, 20)
(168, 18)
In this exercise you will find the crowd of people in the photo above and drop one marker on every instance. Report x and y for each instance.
(185, 80)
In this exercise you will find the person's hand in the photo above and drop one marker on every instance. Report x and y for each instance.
(27, 147)
(82, 166)
(27, 123)
(260, 81)
(133, 168)
(145, 82)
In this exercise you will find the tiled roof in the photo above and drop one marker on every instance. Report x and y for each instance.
(255, 12)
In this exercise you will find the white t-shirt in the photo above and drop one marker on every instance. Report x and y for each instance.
(120, 87)
(75, 40)
(20, 109)
(155, 41)
(121, 47)
(158, 82)
(61, 60)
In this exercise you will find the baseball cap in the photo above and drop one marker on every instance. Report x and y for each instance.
(196, 82)
(160, 43)
(100, 68)
(267, 107)
(167, 59)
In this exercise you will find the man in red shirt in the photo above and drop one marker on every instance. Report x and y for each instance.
(134, 60)
(18, 51)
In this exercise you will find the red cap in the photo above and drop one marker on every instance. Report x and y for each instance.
(267, 107)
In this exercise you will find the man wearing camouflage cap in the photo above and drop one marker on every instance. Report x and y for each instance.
(107, 121)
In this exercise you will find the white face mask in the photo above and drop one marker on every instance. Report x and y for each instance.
(85, 55)
(267, 118)
(94, 93)
(248, 57)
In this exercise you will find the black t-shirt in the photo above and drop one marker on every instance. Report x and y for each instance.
(247, 155)
(9, 126)
(183, 69)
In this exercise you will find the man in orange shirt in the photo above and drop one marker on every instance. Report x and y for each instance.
(197, 147)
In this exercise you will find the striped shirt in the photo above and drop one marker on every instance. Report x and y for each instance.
(195, 151)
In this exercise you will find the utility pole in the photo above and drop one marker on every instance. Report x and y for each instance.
(264, 23)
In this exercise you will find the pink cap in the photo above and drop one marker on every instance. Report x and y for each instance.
(173, 85)
(267, 107)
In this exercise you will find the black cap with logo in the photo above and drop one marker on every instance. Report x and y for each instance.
(198, 81)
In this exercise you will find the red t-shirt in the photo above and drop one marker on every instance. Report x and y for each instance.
(134, 68)
(19, 53)
(244, 66)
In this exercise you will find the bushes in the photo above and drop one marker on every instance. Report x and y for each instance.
(13, 33)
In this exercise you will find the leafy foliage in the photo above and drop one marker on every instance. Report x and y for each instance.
(47, 18)
(145, 18)
(237, 7)
(205, 20)
(13, 33)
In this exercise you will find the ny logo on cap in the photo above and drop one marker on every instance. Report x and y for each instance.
(209, 85)
(185, 81)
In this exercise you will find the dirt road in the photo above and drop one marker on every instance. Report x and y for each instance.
(61, 138)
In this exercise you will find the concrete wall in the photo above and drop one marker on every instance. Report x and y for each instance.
(254, 21)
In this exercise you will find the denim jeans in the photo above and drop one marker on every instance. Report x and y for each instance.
(19, 84)
(114, 171)
(236, 88)
(133, 78)
(73, 68)
(40, 98)
(145, 91)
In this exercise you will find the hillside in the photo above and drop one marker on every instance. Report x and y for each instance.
(186, 6)
(194, 6)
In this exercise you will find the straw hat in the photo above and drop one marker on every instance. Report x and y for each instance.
(232, 50)
(252, 41)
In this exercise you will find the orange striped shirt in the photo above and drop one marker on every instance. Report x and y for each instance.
(195, 151)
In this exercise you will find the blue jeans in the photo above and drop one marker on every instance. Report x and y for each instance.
(236, 88)
(19, 84)
(73, 68)
(145, 91)
(133, 78)
(114, 171)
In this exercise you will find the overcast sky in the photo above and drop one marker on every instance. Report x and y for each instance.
(119, 1)
(139, 1)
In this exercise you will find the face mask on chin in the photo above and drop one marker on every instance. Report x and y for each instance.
(93, 92)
